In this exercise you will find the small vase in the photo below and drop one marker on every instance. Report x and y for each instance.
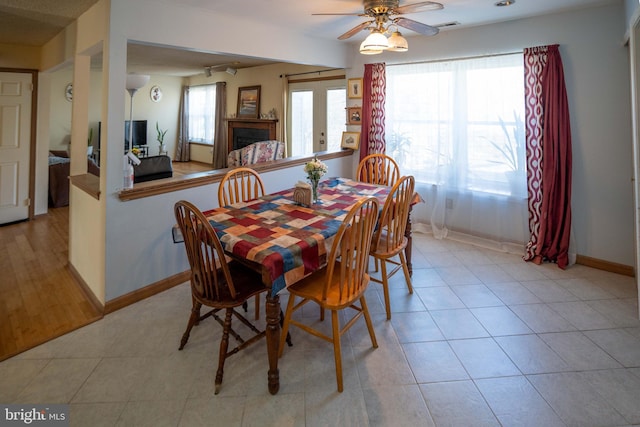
(162, 149)
(314, 190)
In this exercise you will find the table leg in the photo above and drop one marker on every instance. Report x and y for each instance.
(407, 250)
(273, 340)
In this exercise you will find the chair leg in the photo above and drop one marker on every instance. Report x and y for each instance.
(257, 306)
(224, 346)
(367, 318)
(285, 325)
(193, 319)
(405, 270)
(337, 353)
(385, 288)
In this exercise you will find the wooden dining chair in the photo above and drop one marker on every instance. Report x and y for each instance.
(342, 283)
(216, 282)
(378, 169)
(241, 185)
(389, 241)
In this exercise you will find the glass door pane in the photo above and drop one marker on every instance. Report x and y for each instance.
(302, 123)
(336, 110)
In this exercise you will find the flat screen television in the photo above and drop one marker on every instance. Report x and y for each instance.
(139, 133)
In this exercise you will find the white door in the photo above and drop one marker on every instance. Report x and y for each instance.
(15, 138)
(317, 116)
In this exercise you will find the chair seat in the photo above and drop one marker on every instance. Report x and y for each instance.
(312, 286)
(247, 283)
(380, 250)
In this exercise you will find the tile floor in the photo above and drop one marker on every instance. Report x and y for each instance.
(486, 339)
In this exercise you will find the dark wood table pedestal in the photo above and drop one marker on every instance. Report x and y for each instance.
(407, 250)
(273, 341)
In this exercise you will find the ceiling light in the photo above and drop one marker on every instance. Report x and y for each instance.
(375, 41)
(207, 71)
(231, 70)
(366, 51)
(397, 43)
(505, 3)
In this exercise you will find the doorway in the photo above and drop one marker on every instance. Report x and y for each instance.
(317, 115)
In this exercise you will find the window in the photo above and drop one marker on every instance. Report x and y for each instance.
(459, 123)
(202, 112)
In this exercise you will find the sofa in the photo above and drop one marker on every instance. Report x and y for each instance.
(59, 170)
(153, 167)
(258, 152)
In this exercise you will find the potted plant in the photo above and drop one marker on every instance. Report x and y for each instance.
(160, 137)
(512, 150)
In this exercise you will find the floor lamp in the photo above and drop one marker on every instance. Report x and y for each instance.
(134, 82)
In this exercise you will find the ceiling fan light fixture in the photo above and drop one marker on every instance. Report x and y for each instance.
(368, 51)
(397, 43)
(375, 41)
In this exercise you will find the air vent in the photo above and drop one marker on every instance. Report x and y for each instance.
(447, 24)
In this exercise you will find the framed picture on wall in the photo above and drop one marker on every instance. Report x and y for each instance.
(350, 140)
(354, 88)
(248, 102)
(354, 115)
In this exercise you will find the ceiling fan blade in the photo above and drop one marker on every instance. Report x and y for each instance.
(338, 14)
(417, 7)
(355, 30)
(418, 27)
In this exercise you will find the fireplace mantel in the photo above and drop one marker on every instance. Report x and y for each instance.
(242, 132)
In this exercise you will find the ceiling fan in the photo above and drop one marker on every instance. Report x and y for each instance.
(383, 16)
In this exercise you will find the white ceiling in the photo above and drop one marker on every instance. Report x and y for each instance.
(33, 22)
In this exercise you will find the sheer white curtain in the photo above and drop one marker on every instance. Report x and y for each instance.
(457, 127)
(202, 113)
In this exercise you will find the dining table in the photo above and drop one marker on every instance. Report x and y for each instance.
(285, 241)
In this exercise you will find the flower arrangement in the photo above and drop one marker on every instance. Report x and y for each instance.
(135, 151)
(315, 169)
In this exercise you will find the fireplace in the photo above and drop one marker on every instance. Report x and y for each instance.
(242, 132)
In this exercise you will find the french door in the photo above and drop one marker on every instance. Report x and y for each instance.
(316, 116)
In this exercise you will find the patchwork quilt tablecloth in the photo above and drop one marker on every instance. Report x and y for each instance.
(289, 240)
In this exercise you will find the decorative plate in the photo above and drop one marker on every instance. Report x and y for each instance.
(68, 92)
(155, 93)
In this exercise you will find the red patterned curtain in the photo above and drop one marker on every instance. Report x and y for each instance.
(373, 118)
(549, 162)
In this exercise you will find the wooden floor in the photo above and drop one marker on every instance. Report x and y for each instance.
(185, 168)
(39, 298)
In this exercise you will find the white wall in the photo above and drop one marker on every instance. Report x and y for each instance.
(596, 70)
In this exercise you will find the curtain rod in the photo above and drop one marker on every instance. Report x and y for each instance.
(311, 72)
(456, 59)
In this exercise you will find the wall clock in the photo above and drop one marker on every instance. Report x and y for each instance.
(155, 94)
(68, 92)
